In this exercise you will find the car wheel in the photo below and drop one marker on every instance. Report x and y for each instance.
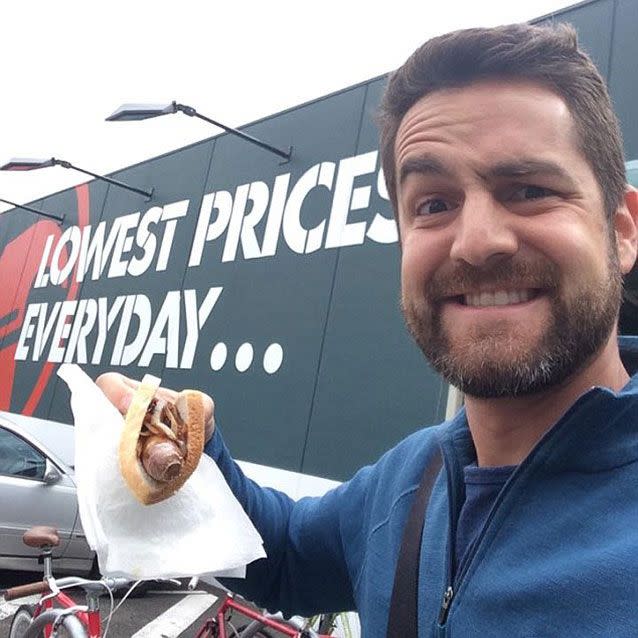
(21, 621)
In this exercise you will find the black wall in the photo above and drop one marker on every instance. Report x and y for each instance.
(350, 383)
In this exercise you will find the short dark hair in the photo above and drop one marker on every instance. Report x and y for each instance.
(546, 55)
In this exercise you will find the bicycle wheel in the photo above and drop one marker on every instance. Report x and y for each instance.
(21, 621)
(70, 627)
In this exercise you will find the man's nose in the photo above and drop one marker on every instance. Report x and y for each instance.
(483, 232)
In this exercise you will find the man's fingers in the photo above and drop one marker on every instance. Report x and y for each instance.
(119, 390)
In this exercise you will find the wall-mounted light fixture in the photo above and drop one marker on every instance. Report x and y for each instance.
(29, 164)
(130, 112)
(59, 218)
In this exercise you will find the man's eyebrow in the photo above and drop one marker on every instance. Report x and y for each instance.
(423, 165)
(527, 167)
(429, 165)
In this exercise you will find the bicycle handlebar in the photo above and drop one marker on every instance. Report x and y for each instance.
(92, 585)
(116, 583)
(41, 587)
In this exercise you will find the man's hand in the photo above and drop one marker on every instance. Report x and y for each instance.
(119, 391)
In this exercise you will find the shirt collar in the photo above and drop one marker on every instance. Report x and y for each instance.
(593, 412)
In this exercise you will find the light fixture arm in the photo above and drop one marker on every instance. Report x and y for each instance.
(191, 112)
(58, 218)
(110, 180)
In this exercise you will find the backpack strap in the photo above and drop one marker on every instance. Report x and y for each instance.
(403, 620)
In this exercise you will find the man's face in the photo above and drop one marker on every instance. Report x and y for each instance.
(510, 281)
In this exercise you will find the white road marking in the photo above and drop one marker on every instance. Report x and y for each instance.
(177, 618)
(8, 608)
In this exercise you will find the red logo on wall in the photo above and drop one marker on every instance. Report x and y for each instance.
(19, 263)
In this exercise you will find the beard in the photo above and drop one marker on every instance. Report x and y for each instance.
(491, 362)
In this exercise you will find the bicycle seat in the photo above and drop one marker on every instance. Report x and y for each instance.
(41, 536)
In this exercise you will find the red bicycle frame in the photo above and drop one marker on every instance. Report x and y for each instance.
(219, 621)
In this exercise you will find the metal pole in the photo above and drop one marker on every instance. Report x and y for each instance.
(110, 180)
(188, 110)
(33, 210)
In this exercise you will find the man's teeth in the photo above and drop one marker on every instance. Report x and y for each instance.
(497, 298)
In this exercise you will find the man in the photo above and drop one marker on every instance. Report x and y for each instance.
(504, 164)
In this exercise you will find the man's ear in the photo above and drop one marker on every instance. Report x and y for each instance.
(626, 230)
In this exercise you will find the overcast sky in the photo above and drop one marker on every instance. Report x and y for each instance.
(67, 64)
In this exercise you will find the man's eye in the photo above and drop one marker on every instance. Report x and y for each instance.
(526, 193)
(431, 206)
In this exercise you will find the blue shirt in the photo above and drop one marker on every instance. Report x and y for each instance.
(482, 485)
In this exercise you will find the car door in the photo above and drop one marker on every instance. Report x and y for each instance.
(28, 499)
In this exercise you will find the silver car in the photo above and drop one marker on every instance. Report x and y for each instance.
(37, 488)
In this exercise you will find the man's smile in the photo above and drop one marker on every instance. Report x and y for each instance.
(500, 297)
(488, 305)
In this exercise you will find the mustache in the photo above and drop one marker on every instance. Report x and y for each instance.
(515, 273)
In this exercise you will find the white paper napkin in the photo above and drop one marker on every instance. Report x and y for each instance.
(202, 528)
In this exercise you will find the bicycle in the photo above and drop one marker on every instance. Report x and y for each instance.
(57, 614)
(67, 619)
(221, 626)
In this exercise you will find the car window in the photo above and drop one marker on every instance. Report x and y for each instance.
(18, 458)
